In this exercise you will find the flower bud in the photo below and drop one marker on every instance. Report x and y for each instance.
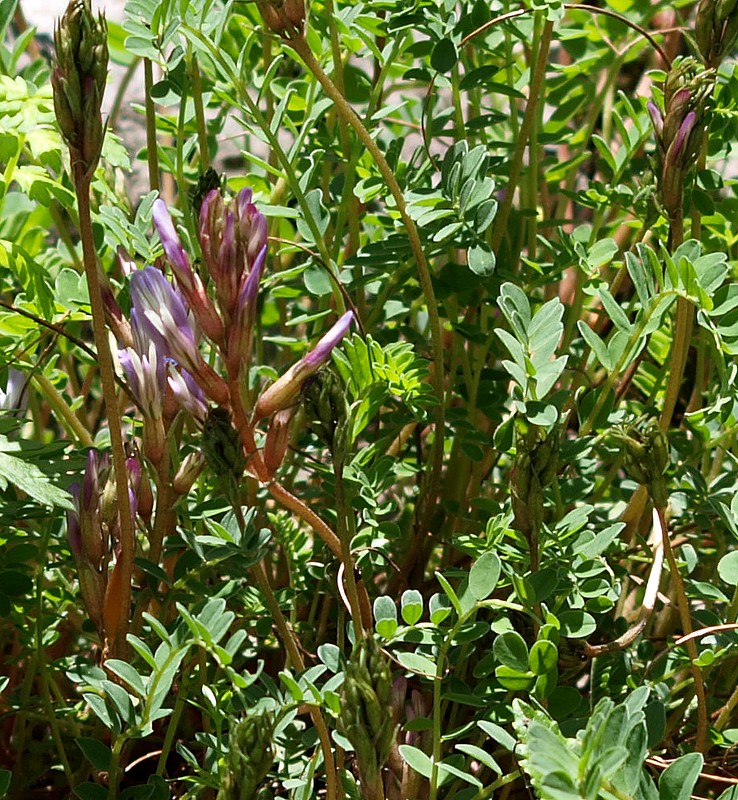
(278, 439)
(716, 29)
(645, 450)
(365, 705)
(285, 391)
(221, 445)
(188, 472)
(249, 759)
(78, 81)
(680, 129)
(286, 18)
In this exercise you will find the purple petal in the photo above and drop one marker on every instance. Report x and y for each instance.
(286, 389)
(171, 243)
(160, 312)
(685, 129)
(322, 351)
(656, 117)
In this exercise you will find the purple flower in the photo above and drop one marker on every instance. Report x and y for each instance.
(232, 237)
(285, 390)
(188, 394)
(158, 313)
(187, 280)
(146, 378)
(175, 253)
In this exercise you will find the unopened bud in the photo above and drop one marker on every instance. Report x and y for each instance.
(79, 80)
(278, 439)
(286, 18)
(188, 472)
(285, 391)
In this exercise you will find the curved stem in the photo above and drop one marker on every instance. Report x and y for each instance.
(60, 406)
(424, 273)
(294, 504)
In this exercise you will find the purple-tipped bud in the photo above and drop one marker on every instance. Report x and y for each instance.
(91, 534)
(285, 391)
(677, 149)
(188, 282)
(113, 314)
(238, 351)
(233, 235)
(175, 253)
(657, 118)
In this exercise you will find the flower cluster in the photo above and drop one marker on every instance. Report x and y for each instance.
(680, 128)
(716, 29)
(162, 359)
(78, 81)
(93, 530)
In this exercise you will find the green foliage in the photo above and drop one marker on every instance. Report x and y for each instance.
(438, 574)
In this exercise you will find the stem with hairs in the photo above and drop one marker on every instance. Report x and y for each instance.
(112, 408)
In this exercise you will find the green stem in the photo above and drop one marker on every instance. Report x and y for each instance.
(62, 409)
(683, 323)
(42, 668)
(701, 743)
(424, 273)
(112, 409)
(344, 515)
(516, 163)
(202, 130)
(114, 771)
(152, 156)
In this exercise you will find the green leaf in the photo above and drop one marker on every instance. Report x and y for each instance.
(511, 650)
(411, 606)
(728, 568)
(515, 680)
(415, 662)
(480, 259)
(444, 56)
(29, 478)
(439, 607)
(385, 614)
(125, 671)
(5, 777)
(416, 759)
(679, 778)
(577, 624)
(480, 755)
(96, 752)
(484, 574)
(544, 657)
(91, 791)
